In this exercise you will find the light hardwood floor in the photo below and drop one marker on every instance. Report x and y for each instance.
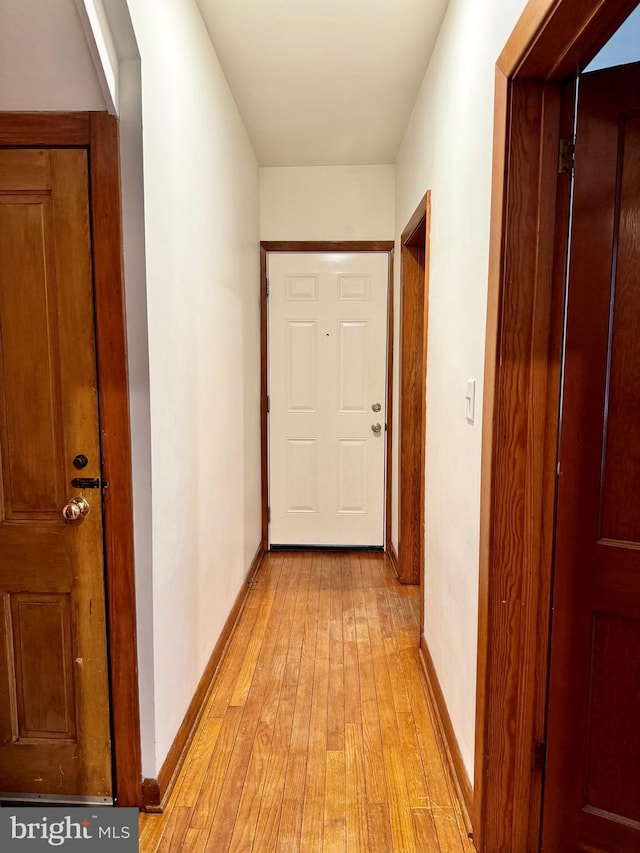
(317, 734)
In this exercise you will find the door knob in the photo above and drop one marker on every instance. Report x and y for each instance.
(376, 428)
(76, 509)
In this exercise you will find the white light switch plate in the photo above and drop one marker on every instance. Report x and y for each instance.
(470, 400)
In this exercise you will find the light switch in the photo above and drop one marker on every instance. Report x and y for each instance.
(470, 400)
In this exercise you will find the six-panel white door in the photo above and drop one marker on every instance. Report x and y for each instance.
(326, 377)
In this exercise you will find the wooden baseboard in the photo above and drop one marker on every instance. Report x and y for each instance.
(156, 792)
(392, 554)
(447, 735)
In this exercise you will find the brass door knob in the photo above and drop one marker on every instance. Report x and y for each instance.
(76, 509)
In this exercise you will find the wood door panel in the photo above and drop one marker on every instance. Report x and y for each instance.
(592, 780)
(43, 653)
(620, 510)
(54, 705)
(25, 170)
(32, 478)
(613, 754)
(8, 704)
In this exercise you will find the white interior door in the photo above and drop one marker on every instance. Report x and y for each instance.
(327, 378)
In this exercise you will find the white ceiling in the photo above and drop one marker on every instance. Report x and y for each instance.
(324, 82)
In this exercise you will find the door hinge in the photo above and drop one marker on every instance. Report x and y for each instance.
(566, 156)
(269, 514)
(268, 403)
(539, 754)
(267, 286)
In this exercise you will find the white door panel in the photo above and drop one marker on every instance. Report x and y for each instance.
(327, 367)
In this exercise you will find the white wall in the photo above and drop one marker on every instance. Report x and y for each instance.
(448, 149)
(202, 271)
(45, 62)
(327, 203)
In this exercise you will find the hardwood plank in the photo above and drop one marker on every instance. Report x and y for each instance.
(250, 660)
(399, 811)
(175, 830)
(296, 773)
(251, 799)
(207, 802)
(194, 841)
(195, 768)
(413, 767)
(424, 829)
(441, 791)
(356, 799)
(352, 703)
(169, 775)
(151, 828)
(379, 826)
(374, 764)
(334, 805)
(271, 806)
(312, 830)
(335, 726)
(262, 776)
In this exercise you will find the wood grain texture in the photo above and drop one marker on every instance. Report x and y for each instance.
(554, 38)
(327, 245)
(592, 778)
(158, 792)
(113, 390)
(414, 307)
(551, 40)
(41, 130)
(98, 132)
(282, 770)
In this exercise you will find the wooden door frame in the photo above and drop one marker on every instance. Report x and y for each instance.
(551, 42)
(267, 246)
(98, 133)
(414, 300)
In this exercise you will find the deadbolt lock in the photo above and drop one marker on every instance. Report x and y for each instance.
(376, 407)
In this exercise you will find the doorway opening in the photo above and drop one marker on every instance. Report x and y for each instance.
(353, 349)
(552, 41)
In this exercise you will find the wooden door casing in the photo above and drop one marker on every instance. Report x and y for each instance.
(551, 41)
(414, 311)
(592, 783)
(55, 723)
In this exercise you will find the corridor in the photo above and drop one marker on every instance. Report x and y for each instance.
(317, 734)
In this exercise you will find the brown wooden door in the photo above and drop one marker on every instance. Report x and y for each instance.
(54, 699)
(592, 784)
